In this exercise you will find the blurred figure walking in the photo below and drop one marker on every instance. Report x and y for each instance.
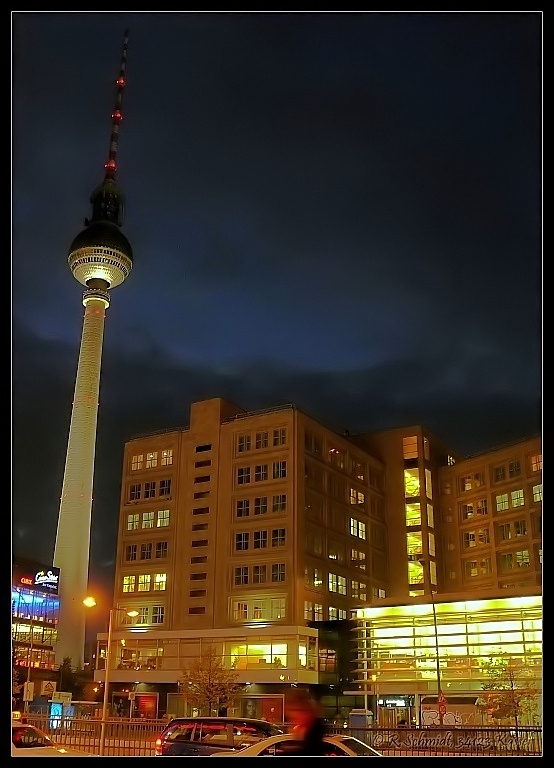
(304, 713)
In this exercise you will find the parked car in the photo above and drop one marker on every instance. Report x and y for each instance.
(288, 744)
(30, 741)
(208, 735)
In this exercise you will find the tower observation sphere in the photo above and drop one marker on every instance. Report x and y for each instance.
(100, 258)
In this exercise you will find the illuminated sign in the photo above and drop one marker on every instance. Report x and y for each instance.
(32, 575)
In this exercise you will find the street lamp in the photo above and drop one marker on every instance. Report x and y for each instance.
(90, 602)
(441, 699)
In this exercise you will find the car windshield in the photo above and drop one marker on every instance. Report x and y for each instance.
(357, 746)
(25, 737)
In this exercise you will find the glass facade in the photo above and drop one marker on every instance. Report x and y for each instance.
(398, 644)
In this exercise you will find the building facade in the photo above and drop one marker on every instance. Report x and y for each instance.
(35, 615)
(408, 653)
(246, 530)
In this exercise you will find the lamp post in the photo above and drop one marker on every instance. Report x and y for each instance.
(89, 602)
(441, 699)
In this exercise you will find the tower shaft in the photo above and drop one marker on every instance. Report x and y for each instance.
(71, 554)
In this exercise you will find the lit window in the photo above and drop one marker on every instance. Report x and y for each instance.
(502, 502)
(409, 447)
(144, 582)
(536, 463)
(133, 522)
(160, 581)
(428, 484)
(147, 519)
(278, 611)
(413, 514)
(151, 459)
(357, 559)
(357, 498)
(167, 457)
(411, 482)
(357, 528)
(517, 498)
(240, 611)
(163, 518)
(481, 507)
(137, 462)
(537, 492)
(129, 583)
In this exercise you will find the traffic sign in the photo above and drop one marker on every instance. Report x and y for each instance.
(61, 697)
(28, 691)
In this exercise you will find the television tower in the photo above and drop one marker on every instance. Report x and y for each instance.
(100, 258)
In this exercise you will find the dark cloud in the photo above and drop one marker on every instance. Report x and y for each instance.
(336, 210)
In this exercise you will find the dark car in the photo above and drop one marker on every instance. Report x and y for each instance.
(206, 735)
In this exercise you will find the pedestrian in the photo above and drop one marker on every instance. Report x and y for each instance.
(304, 713)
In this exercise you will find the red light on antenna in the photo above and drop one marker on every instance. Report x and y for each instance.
(117, 115)
(120, 81)
(110, 165)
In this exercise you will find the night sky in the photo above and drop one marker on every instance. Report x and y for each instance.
(336, 210)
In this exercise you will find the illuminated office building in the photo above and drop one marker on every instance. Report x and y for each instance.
(246, 529)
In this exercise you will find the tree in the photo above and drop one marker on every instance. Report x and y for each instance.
(511, 689)
(207, 684)
(69, 680)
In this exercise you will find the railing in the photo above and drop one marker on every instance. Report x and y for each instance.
(136, 737)
(470, 741)
(123, 737)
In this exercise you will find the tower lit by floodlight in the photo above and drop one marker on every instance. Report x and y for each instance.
(100, 258)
